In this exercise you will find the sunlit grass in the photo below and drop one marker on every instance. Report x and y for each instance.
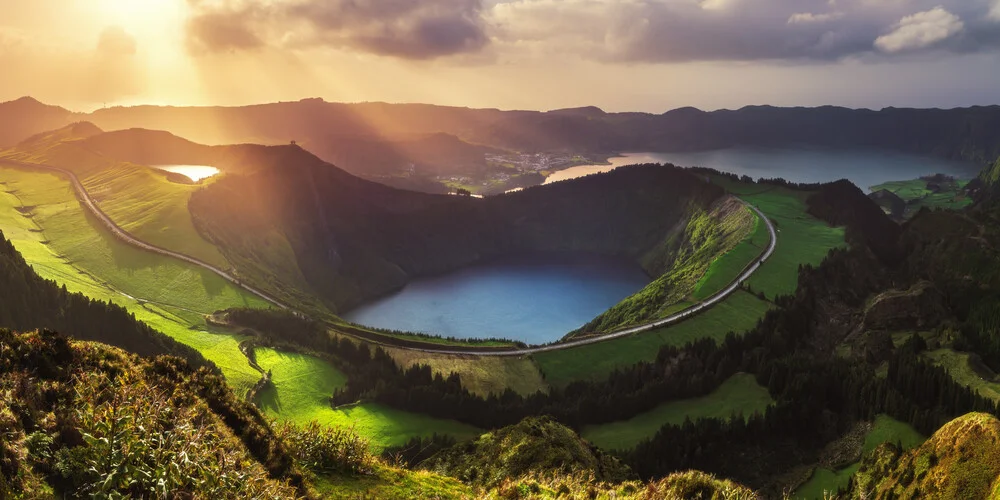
(153, 209)
(303, 385)
(62, 243)
(723, 270)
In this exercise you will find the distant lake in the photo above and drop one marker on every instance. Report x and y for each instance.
(532, 298)
(865, 168)
(193, 172)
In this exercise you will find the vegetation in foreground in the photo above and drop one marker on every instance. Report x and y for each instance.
(83, 419)
(835, 475)
(961, 460)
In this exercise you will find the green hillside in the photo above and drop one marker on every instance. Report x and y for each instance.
(959, 461)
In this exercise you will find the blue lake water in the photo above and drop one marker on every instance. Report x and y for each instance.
(865, 168)
(531, 298)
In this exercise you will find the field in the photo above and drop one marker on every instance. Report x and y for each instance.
(62, 243)
(480, 375)
(153, 209)
(738, 313)
(957, 365)
(802, 239)
(302, 386)
(885, 430)
(739, 395)
(916, 195)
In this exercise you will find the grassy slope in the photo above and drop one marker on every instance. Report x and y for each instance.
(391, 483)
(916, 194)
(685, 257)
(737, 313)
(957, 365)
(885, 430)
(960, 460)
(481, 375)
(802, 239)
(151, 208)
(724, 269)
(77, 252)
(739, 395)
(303, 385)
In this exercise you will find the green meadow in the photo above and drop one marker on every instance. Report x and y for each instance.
(916, 195)
(41, 216)
(739, 395)
(301, 389)
(802, 238)
(825, 482)
(738, 313)
(143, 202)
(957, 365)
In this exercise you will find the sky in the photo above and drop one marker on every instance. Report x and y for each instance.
(620, 55)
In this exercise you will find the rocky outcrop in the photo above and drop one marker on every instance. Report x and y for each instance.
(919, 307)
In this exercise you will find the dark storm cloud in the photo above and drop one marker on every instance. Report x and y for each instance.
(411, 29)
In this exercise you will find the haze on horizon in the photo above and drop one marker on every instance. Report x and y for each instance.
(638, 55)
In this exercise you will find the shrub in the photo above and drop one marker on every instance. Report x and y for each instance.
(328, 449)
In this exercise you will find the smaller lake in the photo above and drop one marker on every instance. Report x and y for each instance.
(193, 172)
(532, 298)
(865, 168)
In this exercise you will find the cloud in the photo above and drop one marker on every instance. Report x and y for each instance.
(995, 11)
(790, 31)
(222, 30)
(114, 41)
(921, 30)
(408, 29)
(808, 17)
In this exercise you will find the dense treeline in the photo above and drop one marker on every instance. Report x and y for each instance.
(817, 401)
(29, 302)
(844, 204)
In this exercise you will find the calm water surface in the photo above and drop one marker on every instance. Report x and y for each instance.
(865, 168)
(532, 298)
(193, 172)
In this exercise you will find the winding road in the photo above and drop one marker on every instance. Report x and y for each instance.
(124, 236)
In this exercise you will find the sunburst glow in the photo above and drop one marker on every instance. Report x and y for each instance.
(141, 15)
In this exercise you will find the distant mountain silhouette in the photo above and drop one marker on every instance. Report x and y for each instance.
(372, 138)
(26, 117)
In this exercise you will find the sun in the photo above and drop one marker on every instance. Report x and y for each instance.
(141, 16)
